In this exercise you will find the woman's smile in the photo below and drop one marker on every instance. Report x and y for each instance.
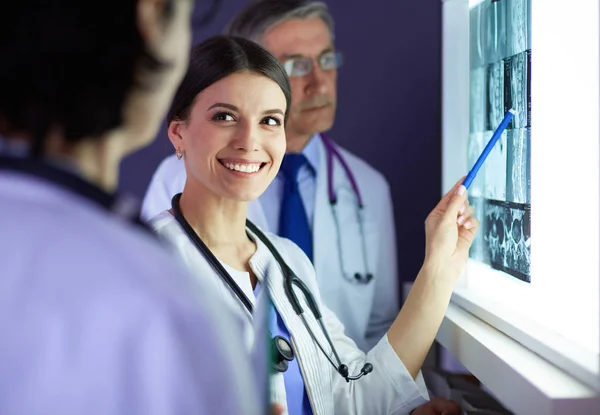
(241, 167)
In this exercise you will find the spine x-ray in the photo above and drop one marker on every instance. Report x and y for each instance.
(500, 79)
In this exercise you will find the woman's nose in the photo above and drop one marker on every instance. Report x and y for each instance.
(246, 138)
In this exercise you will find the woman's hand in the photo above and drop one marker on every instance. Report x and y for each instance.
(449, 232)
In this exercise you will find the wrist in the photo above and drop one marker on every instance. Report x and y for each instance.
(431, 269)
(435, 273)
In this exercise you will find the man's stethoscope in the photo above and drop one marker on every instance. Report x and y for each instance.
(332, 151)
(283, 352)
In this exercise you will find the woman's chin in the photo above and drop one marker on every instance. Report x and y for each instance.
(245, 195)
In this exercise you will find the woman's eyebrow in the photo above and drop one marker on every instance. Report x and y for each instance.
(223, 105)
(236, 109)
(273, 111)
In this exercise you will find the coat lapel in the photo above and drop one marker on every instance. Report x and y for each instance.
(317, 379)
(324, 236)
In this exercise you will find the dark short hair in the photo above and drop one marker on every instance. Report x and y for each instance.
(261, 15)
(69, 65)
(219, 57)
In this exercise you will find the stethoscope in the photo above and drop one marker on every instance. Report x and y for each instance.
(282, 349)
(331, 152)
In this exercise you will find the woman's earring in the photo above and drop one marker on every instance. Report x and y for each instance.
(179, 154)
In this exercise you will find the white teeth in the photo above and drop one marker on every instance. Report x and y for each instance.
(244, 168)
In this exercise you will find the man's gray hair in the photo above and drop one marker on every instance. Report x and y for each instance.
(261, 15)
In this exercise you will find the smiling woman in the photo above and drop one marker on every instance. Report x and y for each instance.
(227, 124)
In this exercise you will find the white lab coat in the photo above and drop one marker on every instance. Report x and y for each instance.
(97, 318)
(389, 389)
(366, 311)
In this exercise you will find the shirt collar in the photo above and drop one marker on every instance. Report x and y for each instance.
(311, 152)
(21, 149)
(63, 172)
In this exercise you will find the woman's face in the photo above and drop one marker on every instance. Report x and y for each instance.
(234, 138)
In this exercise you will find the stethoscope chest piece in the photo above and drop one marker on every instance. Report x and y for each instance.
(365, 279)
(283, 353)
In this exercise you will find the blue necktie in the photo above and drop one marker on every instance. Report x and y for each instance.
(293, 221)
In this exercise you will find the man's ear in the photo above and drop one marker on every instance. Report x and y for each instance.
(174, 131)
(150, 13)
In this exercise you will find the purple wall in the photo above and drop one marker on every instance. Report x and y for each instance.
(389, 106)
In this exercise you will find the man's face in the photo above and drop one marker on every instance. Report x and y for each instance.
(295, 43)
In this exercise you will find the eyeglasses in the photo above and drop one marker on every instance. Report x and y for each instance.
(303, 66)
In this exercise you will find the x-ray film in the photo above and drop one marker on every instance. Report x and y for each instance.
(518, 167)
(496, 168)
(495, 91)
(518, 26)
(476, 29)
(475, 147)
(529, 87)
(507, 239)
(478, 94)
(479, 250)
(516, 91)
(495, 33)
(500, 79)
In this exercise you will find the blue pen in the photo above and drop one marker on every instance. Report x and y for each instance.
(486, 151)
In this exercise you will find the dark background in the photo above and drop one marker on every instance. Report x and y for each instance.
(389, 106)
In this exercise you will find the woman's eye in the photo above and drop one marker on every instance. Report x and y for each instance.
(272, 121)
(223, 116)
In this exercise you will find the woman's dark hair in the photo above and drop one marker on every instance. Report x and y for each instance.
(69, 65)
(219, 57)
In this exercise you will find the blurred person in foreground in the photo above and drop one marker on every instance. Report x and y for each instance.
(96, 317)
